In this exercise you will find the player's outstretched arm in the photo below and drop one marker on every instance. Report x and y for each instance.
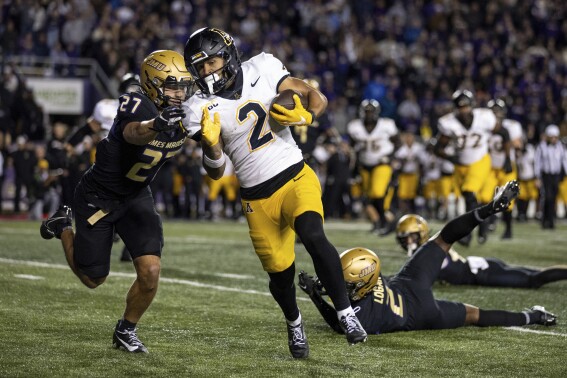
(141, 133)
(312, 287)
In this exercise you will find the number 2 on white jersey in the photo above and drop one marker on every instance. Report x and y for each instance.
(260, 135)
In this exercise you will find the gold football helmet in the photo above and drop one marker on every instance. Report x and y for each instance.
(411, 232)
(165, 68)
(361, 269)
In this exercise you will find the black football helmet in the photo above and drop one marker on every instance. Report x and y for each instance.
(498, 107)
(206, 43)
(130, 82)
(369, 109)
(462, 98)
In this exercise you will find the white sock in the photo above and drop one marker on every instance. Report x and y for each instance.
(295, 322)
(345, 312)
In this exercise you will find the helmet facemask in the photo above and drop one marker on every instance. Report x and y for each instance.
(409, 242)
(218, 80)
(171, 82)
(412, 231)
(369, 111)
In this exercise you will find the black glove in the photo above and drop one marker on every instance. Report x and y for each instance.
(507, 165)
(310, 284)
(169, 119)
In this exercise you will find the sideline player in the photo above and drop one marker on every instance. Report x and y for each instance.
(405, 302)
(280, 192)
(114, 193)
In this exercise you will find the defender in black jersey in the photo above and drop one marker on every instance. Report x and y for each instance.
(405, 302)
(113, 195)
(412, 231)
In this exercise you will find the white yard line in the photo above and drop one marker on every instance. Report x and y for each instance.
(132, 275)
(217, 287)
(528, 330)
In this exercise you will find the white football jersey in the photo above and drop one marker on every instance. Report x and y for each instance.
(375, 145)
(410, 156)
(104, 112)
(496, 145)
(431, 166)
(472, 144)
(258, 146)
(525, 162)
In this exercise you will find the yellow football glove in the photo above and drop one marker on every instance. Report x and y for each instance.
(210, 130)
(298, 116)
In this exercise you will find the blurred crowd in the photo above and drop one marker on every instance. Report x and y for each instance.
(409, 55)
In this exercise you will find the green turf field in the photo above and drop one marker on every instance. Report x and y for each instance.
(213, 315)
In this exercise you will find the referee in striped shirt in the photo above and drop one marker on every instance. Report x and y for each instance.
(550, 167)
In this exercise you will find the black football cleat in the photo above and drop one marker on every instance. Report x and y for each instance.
(61, 220)
(127, 339)
(353, 329)
(504, 196)
(297, 341)
(546, 318)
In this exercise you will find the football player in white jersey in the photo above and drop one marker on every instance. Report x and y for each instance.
(410, 155)
(469, 130)
(503, 158)
(374, 139)
(280, 193)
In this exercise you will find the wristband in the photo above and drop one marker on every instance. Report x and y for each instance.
(214, 163)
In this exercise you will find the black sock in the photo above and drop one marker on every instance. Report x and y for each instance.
(487, 318)
(326, 261)
(507, 218)
(125, 324)
(549, 275)
(283, 290)
(378, 204)
(459, 227)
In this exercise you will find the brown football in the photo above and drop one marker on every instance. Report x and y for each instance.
(285, 99)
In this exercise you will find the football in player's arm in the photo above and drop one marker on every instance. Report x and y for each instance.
(281, 195)
(114, 193)
(405, 302)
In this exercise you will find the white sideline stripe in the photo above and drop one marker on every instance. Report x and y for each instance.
(521, 329)
(132, 275)
(59, 266)
(29, 277)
